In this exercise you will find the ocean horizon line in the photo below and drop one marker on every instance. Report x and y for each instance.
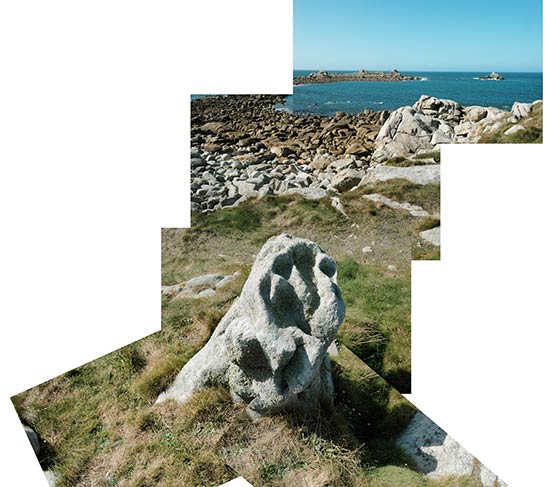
(418, 70)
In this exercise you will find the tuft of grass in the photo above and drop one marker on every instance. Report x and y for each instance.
(394, 476)
(347, 269)
(426, 253)
(242, 219)
(428, 223)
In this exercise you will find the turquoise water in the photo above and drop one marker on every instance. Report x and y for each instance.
(355, 96)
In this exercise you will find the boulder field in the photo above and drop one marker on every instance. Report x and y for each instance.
(243, 147)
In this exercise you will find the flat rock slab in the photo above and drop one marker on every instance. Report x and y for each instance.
(198, 287)
(430, 174)
(414, 210)
(309, 193)
(433, 235)
(435, 454)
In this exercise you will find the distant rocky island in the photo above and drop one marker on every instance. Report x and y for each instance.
(362, 75)
(493, 75)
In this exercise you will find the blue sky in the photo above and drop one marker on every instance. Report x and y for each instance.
(422, 35)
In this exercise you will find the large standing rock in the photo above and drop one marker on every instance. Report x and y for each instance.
(270, 348)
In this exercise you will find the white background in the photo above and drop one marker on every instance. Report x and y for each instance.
(94, 159)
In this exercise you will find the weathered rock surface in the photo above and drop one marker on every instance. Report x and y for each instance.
(431, 122)
(198, 287)
(409, 130)
(51, 478)
(514, 129)
(433, 235)
(447, 110)
(436, 454)
(521, 110)
(414, 210)
(415, 174)
(270, 348)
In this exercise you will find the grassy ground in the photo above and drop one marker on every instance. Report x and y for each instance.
(378, 324)
(102, 428)
(100, 424)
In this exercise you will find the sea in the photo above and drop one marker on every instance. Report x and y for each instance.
(463, 87)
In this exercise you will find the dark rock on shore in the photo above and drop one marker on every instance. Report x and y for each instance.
(493, 75)
(249, 126)
(362, 75)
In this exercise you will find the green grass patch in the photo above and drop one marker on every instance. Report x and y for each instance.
(377, 324)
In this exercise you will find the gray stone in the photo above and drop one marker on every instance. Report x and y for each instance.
(346, 180)
(341, 164)
(309, 193)
(447, 110)
(198, 284)
(197, 162)
(246, 189)
(415, 174)
(229, 201)
(463, 129)
(51, 478)
(515, 129)
(521, 110)
(474, 113)
(407, 132)
(207, 293)
(227, 279)
(321, 161)
(414, 210)
(270, 348)
(338, 206)
(171, 290)
(433, 235)
(435, 454)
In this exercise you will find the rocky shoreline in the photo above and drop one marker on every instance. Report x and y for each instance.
(362, 75)
(242, 147)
